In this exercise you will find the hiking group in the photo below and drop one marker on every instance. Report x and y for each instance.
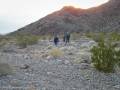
(66, 38)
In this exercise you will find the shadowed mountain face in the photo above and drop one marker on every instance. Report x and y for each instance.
(105, 18)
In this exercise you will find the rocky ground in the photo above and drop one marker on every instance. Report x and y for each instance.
(35, 69)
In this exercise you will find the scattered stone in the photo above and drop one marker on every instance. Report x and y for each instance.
(9, 51)
(88, 45)
(49, 57)
(31, 87)
(69, 48)
(49, 47)
(49, 73)
(26, 56)
(70, 53)
(92, 65)
(117, 86)
(66, 62)
(44, 55)
(85, 61)
(84, 66)
(25, 66)
(15, 83)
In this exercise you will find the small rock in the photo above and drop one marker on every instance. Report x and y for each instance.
(70, 53)
(59, 61)
(88, 45)
(44, 55)
(63, 48)
(49, 47)
(32, 87)
(43, 88)
(49, 73)
(117, 86)
(25, 66)
(68, 48)
(9, 51)
(85, 61)
(27, 56)
(49, 57)
(15, 83)
(92, 65)
(84, 66)
(66, 62)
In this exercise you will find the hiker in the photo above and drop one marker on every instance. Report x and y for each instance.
(56, 40)
(66, 37)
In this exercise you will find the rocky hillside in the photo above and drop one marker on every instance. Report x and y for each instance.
(104, 18)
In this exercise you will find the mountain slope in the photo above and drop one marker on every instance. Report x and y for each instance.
(105, 18)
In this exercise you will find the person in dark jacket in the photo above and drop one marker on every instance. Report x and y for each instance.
(56, 40)
(66, 37)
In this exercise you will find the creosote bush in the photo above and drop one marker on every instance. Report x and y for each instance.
(96, 36)
(105, 56)
(115, 36)
(24, 40)
(4, 40)
(56, 52)
(2, 43)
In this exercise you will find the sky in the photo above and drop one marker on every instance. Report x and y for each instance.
(15, 14)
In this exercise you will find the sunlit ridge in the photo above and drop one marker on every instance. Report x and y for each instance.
(87, 4)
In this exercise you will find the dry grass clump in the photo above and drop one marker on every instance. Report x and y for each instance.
(5, 69)
(56, 52)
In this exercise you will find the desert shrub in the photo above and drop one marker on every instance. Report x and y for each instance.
(56, 52)
(105, 57)
(3, 41)
(118, 57)
(5, 69)
(98, 37)
(75, 36)
(115, 36)
(89, 35)
(24, 40)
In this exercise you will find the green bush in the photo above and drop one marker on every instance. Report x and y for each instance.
(98, 37)
(105, 57)
(90, 35)
(3, 41)
(115, 36)
(24, 40)
(75, 36)
(118, 57)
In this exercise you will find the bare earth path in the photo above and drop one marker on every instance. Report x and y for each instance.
(72, 71)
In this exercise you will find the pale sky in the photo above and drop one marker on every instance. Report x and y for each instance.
(15, 14)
